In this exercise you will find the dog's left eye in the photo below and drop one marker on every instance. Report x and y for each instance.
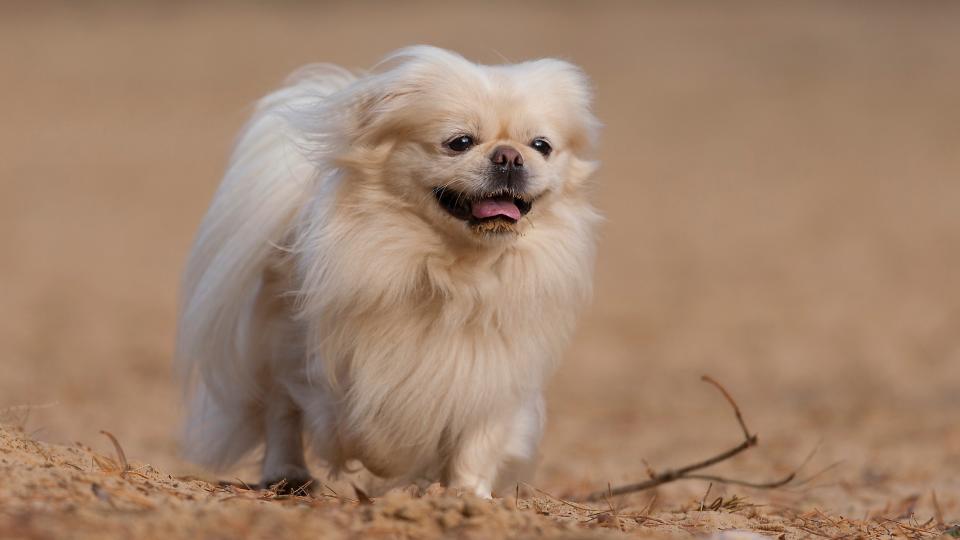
(541, 145)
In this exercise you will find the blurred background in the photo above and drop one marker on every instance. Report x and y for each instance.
(781, 183)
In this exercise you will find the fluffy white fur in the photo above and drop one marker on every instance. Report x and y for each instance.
(331, 300)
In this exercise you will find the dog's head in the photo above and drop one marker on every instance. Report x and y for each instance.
(475, 151)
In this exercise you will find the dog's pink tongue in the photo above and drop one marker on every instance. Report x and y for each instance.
(490, 207)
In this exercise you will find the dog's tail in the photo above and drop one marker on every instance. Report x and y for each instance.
(268, 179)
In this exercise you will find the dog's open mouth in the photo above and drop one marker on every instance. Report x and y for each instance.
(502, 207)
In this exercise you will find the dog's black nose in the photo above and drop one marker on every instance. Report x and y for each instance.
(507, 157)
(507, 170)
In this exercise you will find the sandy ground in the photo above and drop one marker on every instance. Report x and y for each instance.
(782, 192)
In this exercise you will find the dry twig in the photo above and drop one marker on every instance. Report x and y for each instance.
(594, 513)
(362, 496)
(123, 465)
(688, 472)
(937, 512)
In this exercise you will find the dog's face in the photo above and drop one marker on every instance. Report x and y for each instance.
(477, 150)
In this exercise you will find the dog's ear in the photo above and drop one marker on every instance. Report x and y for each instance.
(387, 96)
(369, 121)
(371, 115)
(574, 92)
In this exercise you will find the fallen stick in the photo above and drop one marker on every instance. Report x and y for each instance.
(686, 472)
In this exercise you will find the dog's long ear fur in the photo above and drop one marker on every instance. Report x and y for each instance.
(359, 115)
(575, 92)
(385, 97)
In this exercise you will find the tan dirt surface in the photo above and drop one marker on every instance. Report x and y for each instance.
(781, 184)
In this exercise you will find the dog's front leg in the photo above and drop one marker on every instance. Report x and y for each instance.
(477, 458)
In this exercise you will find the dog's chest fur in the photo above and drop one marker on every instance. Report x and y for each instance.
(416, 345)
(412, 342)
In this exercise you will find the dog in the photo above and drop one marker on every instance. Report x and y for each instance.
(390, 270)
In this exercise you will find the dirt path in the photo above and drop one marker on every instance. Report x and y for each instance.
(52, 491)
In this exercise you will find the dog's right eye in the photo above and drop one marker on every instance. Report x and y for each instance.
(460, 143)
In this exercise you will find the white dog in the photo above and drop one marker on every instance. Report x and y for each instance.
(390, 269)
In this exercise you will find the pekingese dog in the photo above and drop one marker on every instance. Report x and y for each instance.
(390, 270)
